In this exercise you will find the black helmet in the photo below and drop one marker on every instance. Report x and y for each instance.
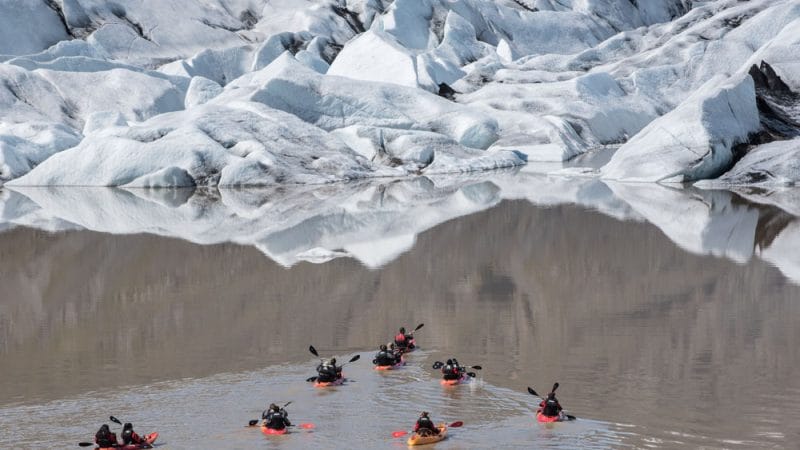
(403, 330)
(551, 396)
(449, 362)
(105, 428)
(274, 407)
(127, 426)
(424, 414)
(333, 361)
(383, 347)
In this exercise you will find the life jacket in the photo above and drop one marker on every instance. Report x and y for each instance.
(551, 408)
(400, 339)
(425, 423)
(130, 437)
(276, 420)
(105, 439)
(383, 358)
(328, 372)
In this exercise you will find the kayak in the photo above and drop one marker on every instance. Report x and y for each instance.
(321, 384)
(272, 431)
(561, 417)
(401, 363)
(464, 378)
(148, 443)
(416, 439)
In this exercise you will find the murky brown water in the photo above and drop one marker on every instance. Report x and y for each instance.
(653, 346)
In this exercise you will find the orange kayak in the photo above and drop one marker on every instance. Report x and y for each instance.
(464, 378)
(271, 431)
(321, 384)
(416, 439)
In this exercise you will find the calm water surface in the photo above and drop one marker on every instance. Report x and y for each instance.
(655, 346)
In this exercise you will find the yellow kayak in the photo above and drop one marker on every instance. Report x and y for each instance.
(416, 439)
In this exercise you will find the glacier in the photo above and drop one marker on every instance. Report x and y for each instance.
(169, 93)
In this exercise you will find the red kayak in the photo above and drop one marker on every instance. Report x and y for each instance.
(148, 443)
(464, 378)
(321, 384)
(561, 417)
(273, 432)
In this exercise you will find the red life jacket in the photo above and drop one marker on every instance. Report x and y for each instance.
(400, 338)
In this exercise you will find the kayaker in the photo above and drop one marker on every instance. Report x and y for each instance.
(129, 436)
(550, 407)
(275, 418)
(403, 340)
(451, 370)
(397, 354)
(424, 425)
(384, 358)
(104, 438)
(328, 370)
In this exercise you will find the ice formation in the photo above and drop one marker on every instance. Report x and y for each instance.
(257, 92)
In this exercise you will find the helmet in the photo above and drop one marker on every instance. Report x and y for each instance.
(383, 347)
(449, 362)
(105, 428)
(551, 396)
(424, 414)
(127, 426)
(333, 361)
(274, 407)
(403, 330)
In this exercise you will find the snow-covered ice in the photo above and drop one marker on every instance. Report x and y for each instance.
(263, 92)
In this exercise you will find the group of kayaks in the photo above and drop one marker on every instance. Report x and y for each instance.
(426, 436)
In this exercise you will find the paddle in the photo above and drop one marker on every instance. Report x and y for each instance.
(555, 386)
(397, 434)
(417, 329)
(85, 444)
(253, 422)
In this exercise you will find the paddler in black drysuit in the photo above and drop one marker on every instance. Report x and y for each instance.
(550, 407)
(397, 354)
(129, 436)
(425, 426)
(451, 370)
(384, 357)
(104, 438)
(328, 371)
(275, 418)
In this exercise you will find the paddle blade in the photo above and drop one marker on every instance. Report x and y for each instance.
(311, 379)
(313, 350)
(419, 326)
(532, 392)
(114, 419)
(472, 374)
(398, 434)
(355, 358)
(570, 417)
(438, 365)
(252, 423)
(307, 426)
(476, 367)
(85, 444)
(456, 424)
(555, 386)
(287, 404)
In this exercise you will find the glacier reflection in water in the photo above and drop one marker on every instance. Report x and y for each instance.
(658, 309)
